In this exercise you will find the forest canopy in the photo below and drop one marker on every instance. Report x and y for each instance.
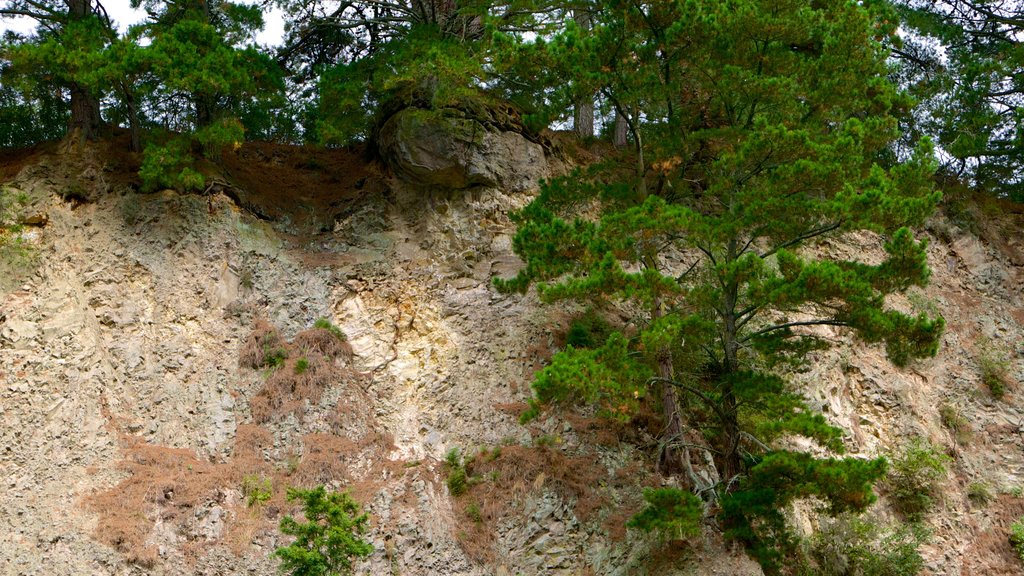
(190, 79)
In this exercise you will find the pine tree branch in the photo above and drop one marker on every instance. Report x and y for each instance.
(822, 322)
(686, 388)
(803, 237)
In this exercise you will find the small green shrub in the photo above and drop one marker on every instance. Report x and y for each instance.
(301, 365)
(671, 512)
(1017, 537)
(326, 543)
(473, 512)
(18, 256)
(922, 304)
(851, 546)
(914, 478)
(549, 440)
(979, 493)
(325, 324)
(256, 490)
(274, 357)
(994, 367)
(458, 479)
(952, 419)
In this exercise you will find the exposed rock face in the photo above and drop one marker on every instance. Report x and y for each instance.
(449, 149)
(123, 349)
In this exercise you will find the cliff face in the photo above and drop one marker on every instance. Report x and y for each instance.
(133, 437)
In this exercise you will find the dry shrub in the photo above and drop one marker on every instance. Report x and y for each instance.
(262, 341)
(599, 430)
(288, 388)
(322, 341)
(170, 484)
(163, 482)
(498, 478)
(324, 460)
(304, 368)
(990, 554)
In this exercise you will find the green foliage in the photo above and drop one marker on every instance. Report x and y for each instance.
(325, 324)
(608, 377)
(329, 539)
(979, 493)
(994, 367)
(31, 111)
(301, 365)
(256, 490)
(1017, 537)
(274, 356)
(458, 479)
(423, 68)
(962, 63)
(852, 546)
(170, 166)
(590, 330)
(952, 419)
(757, 130)
(473, 512)
(671, 512)
(17, 255)
(914, 478)
(754, 513)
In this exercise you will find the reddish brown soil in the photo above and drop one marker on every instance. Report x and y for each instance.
(991, 553)
(305, 186)
(13, 160)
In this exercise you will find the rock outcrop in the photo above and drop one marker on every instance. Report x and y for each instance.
(449, 148)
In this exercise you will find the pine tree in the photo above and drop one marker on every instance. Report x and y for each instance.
(756, 128)
(70, 34)
(202, 70)
(965, 60)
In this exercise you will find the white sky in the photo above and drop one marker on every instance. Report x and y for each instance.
(123, 16)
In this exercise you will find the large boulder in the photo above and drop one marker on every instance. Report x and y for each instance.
(449, 148)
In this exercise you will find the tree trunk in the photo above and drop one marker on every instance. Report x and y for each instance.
(583, 112)
(730, 365)
(133, 124)
(85, 107)
(621, 131)
(583, 118)
(85, 113)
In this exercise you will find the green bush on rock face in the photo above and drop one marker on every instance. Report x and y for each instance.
(672, 512)
(1017, 537)
(848, 546)
(914, 478)
(17, 255)
(326, 543)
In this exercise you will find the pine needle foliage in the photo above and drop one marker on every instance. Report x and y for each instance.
(756, 128)
(329, 539)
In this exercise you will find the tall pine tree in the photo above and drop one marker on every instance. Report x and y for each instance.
(756, 127)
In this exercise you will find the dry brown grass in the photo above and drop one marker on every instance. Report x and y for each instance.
(262, 341)
(287, 389)
(991, 554)
(501, 477)
(306, 367)
(320, 341)
(169, 485)
(163, 483)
